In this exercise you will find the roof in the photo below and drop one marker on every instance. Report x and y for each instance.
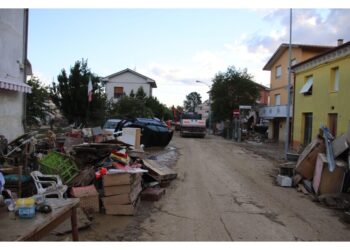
(284, 46)
(263, 86)
(149, 80)
(328, 58)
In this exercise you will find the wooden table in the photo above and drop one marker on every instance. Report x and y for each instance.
(13, 228)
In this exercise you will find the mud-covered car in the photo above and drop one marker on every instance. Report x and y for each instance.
(154, 133)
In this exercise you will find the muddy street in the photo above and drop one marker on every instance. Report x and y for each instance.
(226, 193)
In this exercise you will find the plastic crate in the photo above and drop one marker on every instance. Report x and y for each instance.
(59, 164)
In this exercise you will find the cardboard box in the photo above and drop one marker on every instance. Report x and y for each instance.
(326, 182)
(88, 197)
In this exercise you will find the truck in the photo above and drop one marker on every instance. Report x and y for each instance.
(192, 124)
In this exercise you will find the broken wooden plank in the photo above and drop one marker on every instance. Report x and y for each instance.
(339, 145)
(158, 172)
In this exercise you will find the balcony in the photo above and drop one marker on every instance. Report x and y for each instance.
(270, 112)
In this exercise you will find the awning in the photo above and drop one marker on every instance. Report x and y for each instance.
(307, 85)
(15, 86)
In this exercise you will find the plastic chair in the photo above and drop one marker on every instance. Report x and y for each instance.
(48, 184)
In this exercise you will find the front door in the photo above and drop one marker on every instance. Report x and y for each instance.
(307, 128)
(276, 129)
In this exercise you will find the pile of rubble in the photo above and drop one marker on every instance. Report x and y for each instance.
(109, 175)
(322, 170)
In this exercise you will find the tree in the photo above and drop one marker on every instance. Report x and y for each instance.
(192, 101)
(141, 94)
(231, 89)
(70, 95)
(36, 108)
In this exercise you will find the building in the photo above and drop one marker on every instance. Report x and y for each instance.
(264, 95)
(276, 111)
(322, 94)
(14, 68)
(203, 109)
(125, 81)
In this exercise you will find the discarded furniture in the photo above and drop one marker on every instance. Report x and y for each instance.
(59, 164)
(121, 193)
(36, 228)
(160, 173)
(88, 198)
(325, 181)
(48, 184)
(307, 160)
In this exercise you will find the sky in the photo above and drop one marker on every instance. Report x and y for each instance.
(174, 46)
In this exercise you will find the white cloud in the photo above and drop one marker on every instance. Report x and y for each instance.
(43, 78)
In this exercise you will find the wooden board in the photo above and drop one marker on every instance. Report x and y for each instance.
(115, 179)
(131, 136)
(339, 145)
(129, 209)
(326, 182)
(159, 172)
(122, 199)
(307, 160)
(121, 189)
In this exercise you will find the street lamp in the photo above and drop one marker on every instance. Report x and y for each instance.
(209, 102)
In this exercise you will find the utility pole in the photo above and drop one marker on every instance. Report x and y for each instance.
(289, 83)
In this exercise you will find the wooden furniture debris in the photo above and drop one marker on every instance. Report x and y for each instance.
(131, 136)
(42, 224)
(158, 172)
(88, 196)
(152, 194)
(121, 193)
(339, 145)
(326, 182)
(307, 160)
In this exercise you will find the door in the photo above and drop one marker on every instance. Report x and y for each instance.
(276, 129)
(332, 123)
(307, 128)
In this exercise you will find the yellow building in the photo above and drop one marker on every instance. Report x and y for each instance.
(322, 87)
(276, 111)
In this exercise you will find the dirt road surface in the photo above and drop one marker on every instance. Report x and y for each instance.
(223, 192)
(226, 193)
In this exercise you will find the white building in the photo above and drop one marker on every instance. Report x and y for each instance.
(14, 68)
(203, 109)
(125, 81)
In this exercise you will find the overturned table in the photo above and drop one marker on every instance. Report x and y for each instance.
(13, 228)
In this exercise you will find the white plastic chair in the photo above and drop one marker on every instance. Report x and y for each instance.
(48, 184)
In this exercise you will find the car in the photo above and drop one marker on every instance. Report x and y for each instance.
(110, 125)
(154, 133)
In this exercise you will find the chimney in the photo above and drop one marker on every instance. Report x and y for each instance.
(340, 41)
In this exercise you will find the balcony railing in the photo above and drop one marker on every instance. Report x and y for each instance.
(269, 112)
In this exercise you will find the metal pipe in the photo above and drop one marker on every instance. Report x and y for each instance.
(289, 84)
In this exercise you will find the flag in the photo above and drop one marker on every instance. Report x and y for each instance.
(90, 90)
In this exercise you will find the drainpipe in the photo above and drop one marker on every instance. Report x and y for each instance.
(24, 60)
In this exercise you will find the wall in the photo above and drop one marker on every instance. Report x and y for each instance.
(322, 100)
(11, 50)
(129, 82)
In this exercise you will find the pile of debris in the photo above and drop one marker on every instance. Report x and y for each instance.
(322, 170)
(109, 175)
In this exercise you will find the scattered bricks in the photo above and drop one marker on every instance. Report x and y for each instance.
(152, 194)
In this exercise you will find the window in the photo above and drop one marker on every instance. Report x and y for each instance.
(293, 62)
(277, 99)
(118, 92)
(335, 79)
(278, 71)
(307, 88)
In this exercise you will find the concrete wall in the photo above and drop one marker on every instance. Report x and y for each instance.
(12, 39)
(129, 82)
(323, 100)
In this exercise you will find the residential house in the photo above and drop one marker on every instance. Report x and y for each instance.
(276, 111)
(322, 94)
(264, 95)
(14, 68)
(125, 81)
